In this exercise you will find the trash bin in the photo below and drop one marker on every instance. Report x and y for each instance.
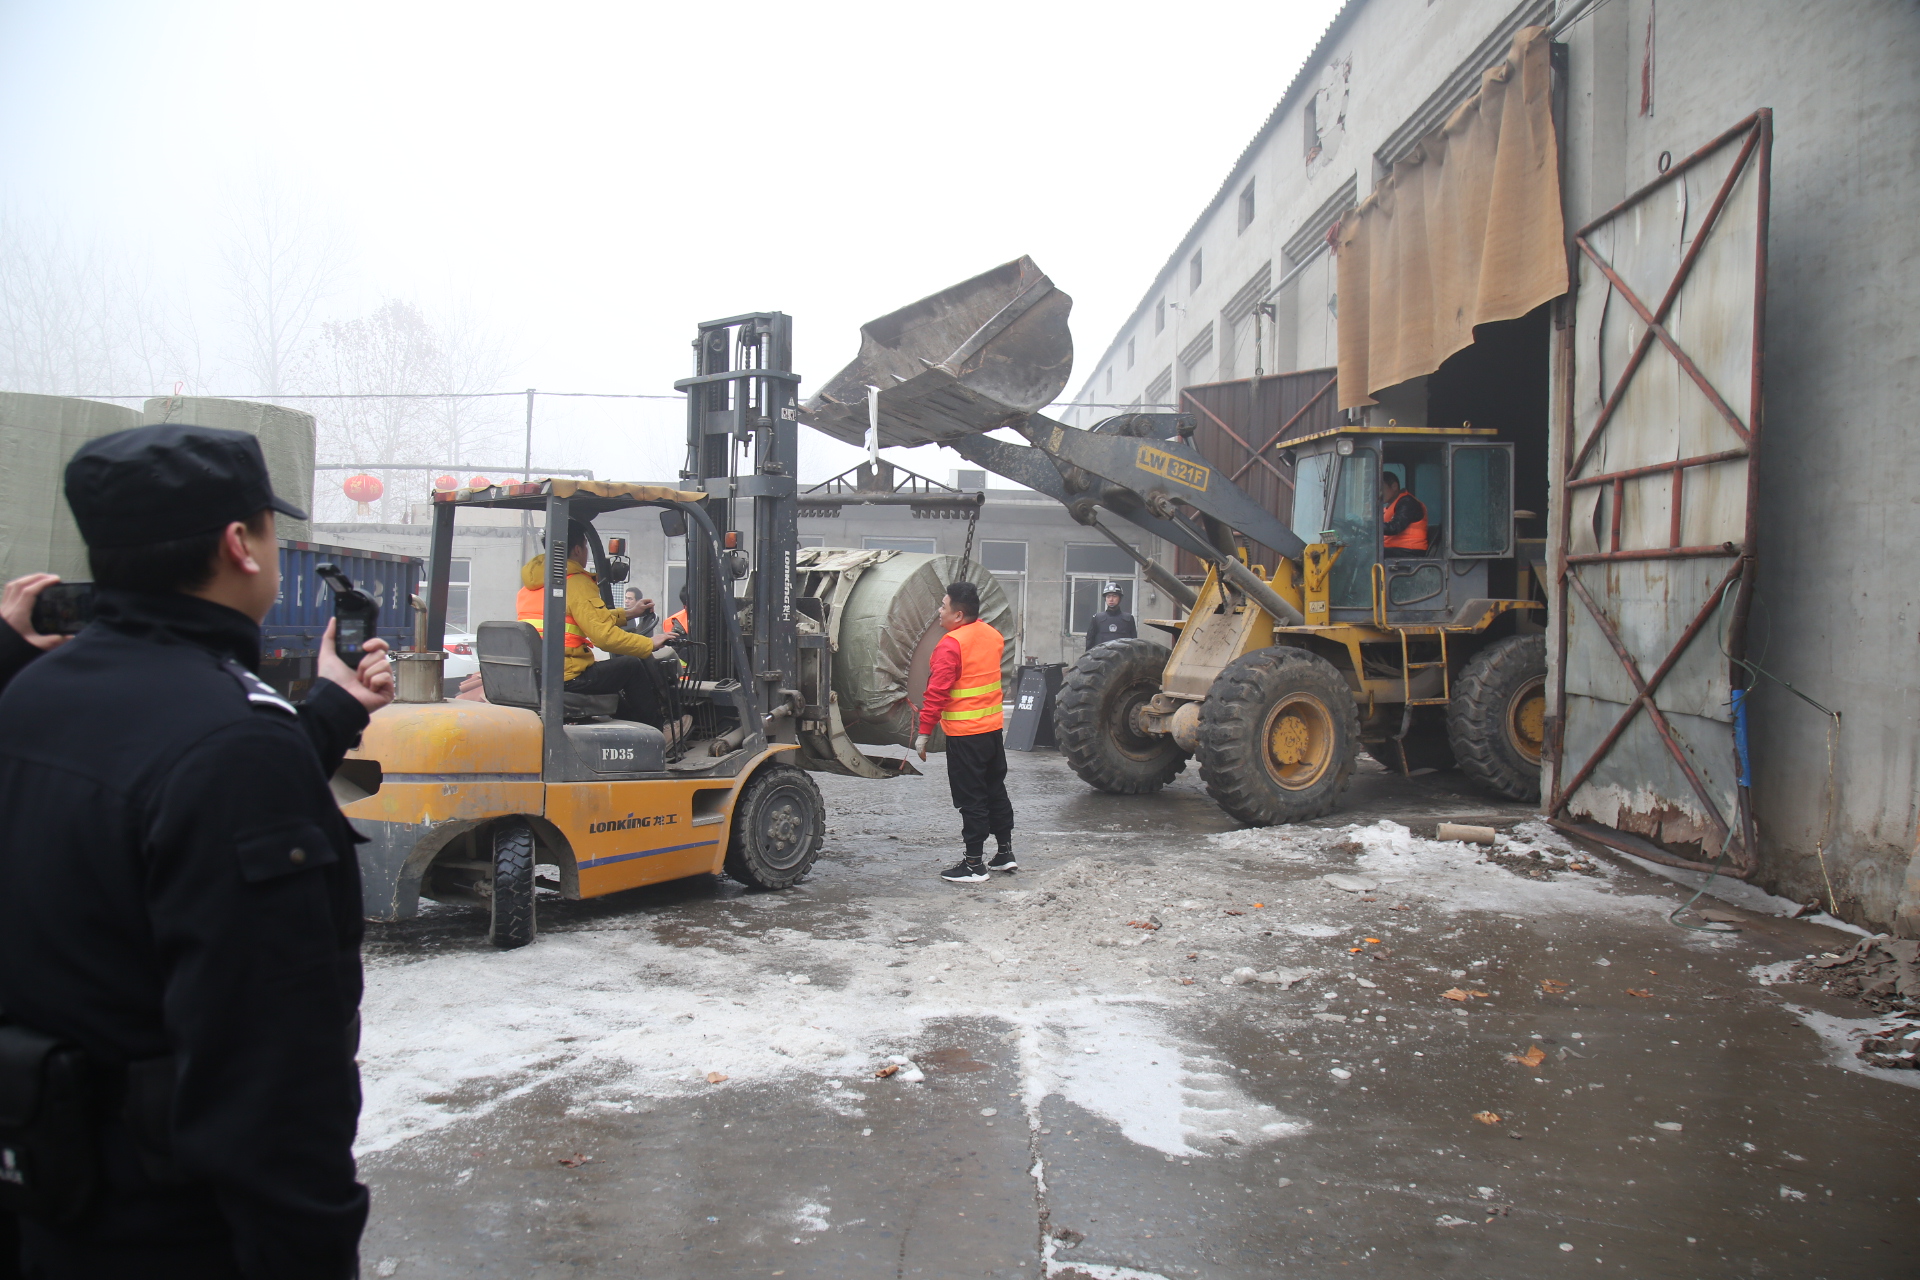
(1033, 706)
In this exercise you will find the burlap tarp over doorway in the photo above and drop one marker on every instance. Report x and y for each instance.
(1466, 230)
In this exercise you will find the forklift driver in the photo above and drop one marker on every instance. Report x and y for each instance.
(1403, 519)
(631, 671)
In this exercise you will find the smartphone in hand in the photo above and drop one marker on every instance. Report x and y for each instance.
(355, 613)
(63, 608)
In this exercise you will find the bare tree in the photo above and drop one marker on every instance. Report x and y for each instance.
(76, 318)
(398, 368)
(282, 262)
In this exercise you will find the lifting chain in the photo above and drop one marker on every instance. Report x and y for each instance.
(966, 555)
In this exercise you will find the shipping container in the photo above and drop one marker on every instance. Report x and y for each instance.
(290, 637)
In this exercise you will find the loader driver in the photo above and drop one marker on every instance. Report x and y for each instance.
(1403, 525)
(631, 671)
(1111, 624)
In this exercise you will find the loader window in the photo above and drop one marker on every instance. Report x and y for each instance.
(1482, 500)
(1353, 517)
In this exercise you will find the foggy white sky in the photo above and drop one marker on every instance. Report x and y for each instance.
(592, 179)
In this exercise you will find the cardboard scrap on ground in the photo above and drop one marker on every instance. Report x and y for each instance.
(1460, 996)
(1533, 1057)
(1487, 1117)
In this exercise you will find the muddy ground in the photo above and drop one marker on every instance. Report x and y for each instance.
(1165, 1047)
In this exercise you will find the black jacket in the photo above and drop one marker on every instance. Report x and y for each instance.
(1107, 626)
(176, 882)
(15, 653)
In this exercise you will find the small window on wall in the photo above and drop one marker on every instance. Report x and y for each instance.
(1194, 272)
(812, 540)
(459, 586)
(1130, 352)
(872, 543)
(1246, 207)
(1160, 316)
(1007, 562)
(1004, 557)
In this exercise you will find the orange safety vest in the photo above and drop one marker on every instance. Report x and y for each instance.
(974, 704)
(531, 606)
(1414, 536)
(678, 622)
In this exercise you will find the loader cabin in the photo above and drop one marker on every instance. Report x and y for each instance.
(463, 801)
(1463, 476)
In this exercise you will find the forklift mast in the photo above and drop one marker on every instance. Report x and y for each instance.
(743, 446)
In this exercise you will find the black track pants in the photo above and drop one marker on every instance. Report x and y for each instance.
(639, 681)
(977, 775)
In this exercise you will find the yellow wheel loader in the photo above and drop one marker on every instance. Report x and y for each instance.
(1278, 675)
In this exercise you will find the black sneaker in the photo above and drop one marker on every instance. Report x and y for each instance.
(966, 871)
(1003, 861)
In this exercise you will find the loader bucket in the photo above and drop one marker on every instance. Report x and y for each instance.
(983, 354)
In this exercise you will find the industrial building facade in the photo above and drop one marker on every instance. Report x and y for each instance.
(1701, 380)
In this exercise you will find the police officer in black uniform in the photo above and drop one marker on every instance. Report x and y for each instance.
(1112, 624)
(179, 893)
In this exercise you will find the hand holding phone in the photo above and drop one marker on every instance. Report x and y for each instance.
(355, 614)
(44, 610)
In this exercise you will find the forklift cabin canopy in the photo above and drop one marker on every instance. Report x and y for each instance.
(559, 501)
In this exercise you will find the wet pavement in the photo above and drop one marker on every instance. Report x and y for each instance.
(1483, 1069)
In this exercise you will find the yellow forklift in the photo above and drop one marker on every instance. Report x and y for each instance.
(463, 800)
(1278, 674)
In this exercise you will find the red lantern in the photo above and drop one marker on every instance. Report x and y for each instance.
(363, 489)
(445, 484)
(481, 482)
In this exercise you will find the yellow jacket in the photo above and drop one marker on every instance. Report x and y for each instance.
(586, 610)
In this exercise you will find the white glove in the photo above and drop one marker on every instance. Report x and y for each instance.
(920, 744)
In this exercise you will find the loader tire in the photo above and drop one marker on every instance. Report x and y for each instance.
(1496, 720)
(510, 923)
(778, 824)
(1094, 719)
(1279, 734)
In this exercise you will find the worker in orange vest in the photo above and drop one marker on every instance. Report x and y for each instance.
(1403, 522)
(963, 699)
(631, 672)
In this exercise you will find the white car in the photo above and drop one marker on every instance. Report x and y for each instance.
(462, 661)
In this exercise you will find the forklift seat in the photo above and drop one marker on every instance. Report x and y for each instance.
(509, 655)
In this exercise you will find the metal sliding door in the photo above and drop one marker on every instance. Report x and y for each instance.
(1656, 501)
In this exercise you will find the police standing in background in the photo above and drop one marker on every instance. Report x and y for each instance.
(179, 893)
(963, 699)
(1111, 624)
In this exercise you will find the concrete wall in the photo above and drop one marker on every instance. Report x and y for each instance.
(1836, 481)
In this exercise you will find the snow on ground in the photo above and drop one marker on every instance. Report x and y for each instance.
(1085, 961)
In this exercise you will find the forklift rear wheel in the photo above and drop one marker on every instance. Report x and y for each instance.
(1497, 719)
(778, 823)
(1095, 719)
(1279, 734)
(511, 885)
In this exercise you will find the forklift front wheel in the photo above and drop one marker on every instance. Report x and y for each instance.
(778, 823)
(510, 924)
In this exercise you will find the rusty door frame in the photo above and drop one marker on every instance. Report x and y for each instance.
(1755, 138)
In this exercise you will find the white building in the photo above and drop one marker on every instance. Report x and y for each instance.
(1799, 303)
